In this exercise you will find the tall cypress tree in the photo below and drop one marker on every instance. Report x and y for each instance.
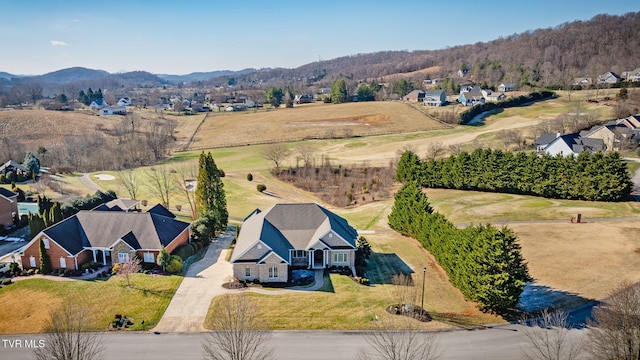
(211, 200)
(45, 261)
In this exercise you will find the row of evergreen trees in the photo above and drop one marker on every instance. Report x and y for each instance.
(468, 115)
(594, 177)
(484, 262)
(52, 212)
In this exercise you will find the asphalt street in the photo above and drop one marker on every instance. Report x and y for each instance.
(500, 342)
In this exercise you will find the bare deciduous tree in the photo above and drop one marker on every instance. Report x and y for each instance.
(275, 153)
(307, 153)
(69, 337)
(237, 333)
(161, 183)
(398, 338)
(130, 180)
(434, 149)
(511, 137)
(455, 149)
(549, 338)
(615, 329)
(185, 180)
(126, 269)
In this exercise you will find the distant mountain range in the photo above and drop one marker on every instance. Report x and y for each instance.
(202, 76)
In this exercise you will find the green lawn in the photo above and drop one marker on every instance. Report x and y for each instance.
(26, 303)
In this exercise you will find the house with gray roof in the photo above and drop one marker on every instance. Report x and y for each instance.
(106, 237)
(435, 98)
(573, 145)
(305, 235)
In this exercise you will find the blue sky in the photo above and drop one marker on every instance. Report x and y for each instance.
(179, 37)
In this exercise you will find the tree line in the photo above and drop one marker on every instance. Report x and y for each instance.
(593, 177)
(484, 262)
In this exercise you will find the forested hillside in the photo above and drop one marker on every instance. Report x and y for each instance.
(542, 57)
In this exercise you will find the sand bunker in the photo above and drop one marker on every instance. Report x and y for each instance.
(105, 177)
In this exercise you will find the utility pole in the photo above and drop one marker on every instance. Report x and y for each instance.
(424, 275)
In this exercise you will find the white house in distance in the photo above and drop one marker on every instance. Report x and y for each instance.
(504, 87)
(292, 235)
(113, 110)
(125, 101)
(98, 104)
(435, 98)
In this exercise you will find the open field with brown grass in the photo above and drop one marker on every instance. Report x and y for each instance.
(45, 128)
(309, 122)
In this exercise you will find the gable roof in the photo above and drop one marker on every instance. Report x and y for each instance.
(546, 138)
(103, 228)
(434, 93)
(7, 194)
(161, 210)
(12, 164)
(285, 227)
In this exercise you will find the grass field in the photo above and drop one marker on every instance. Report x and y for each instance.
(309, 122)
(26, 303)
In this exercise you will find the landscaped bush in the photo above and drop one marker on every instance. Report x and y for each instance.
(364, 281)
(249, 177)
(185, 251)
(175, 265)
(6, 281)
(261, 187)
(475, 110)
(92, 265)
(31, 272)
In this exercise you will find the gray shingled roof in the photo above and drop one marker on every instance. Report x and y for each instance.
(285, 227)
(7, 193)
(546, 138)
(104, 228)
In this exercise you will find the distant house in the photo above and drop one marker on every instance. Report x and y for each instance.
(13, 166)
(504, 87)
(125, 101)
(292, 235)
(119, 204)
(106, 237)
(582, 81)
(470, 98)
(608, 78)
(470, 88)
(611, 135)
(303, 99)
(414, 96)
(493, 96)
(8, 207)
(113, 110)
(633, 75)
(463, 72)
(573, 145)
(544, 140)
(98, 104)
(435, 98)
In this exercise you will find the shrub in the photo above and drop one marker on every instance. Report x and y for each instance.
(175, 265)
(249, 177)
(68, 273)
(31, 272)
(261, 187)
(6, 281)
(115, 268)
(364, 281)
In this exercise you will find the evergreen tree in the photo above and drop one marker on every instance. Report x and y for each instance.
(339, 92)
(32, 165)
(274, 96)
(36, 224)
(45, 261)
(211, 200)
(163, 258)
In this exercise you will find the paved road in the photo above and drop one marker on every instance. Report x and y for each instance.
(501, 342)
(86, 181)
(188, 307)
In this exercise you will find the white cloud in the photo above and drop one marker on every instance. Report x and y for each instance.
(58, 43)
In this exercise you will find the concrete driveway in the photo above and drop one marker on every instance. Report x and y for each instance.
(203, 282)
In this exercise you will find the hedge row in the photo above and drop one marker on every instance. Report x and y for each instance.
(596, 177)
(484, 262)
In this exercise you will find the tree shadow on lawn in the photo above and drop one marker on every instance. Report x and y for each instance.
(382, 267)
(537, 297)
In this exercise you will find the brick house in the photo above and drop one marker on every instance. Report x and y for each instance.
(106, 237)
(8, 207)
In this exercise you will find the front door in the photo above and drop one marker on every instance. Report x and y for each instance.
(318, 259)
